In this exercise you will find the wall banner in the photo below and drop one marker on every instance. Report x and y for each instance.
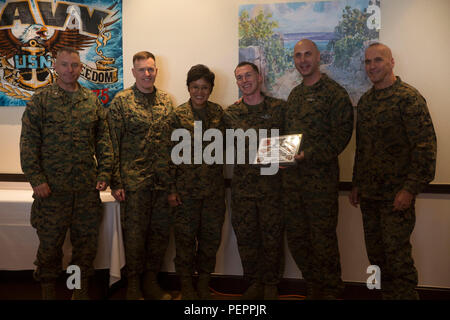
(32, 31)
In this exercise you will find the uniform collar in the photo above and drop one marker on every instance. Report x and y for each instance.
(385, 93)
(323, 78)
(143, 97)
(78, 95)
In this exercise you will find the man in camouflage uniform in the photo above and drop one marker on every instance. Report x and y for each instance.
(321, 110)
(395, 159)
(136, 113)
(198, 189)
(256, 215)
(66, 155)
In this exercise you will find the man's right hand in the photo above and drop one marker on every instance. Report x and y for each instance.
(118, 194)
(42, 190)
(174, 200)
(354, 197)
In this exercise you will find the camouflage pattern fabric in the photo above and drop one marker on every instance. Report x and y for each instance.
(256, 212)
(136, 117)
(387, 235)
(258, 225)
(395, 142)
(65, 142)
(196, 181)
(146, 219)
(51, 217)
(395, 150)
(198, 231)
(137, 120)
(199, 219)
(247, 179)
(323, 113)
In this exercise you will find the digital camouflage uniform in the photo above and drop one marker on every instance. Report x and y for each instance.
(395, 150)
(145, 214)
(323, 113)
(257, 217)
(65, 142)
(201, 188)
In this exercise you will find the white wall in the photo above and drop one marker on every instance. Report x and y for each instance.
(183, 33)
(430, 241)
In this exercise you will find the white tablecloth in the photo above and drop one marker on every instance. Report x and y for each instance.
(19, 241)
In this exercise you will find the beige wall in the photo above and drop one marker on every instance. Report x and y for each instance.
(183, 33)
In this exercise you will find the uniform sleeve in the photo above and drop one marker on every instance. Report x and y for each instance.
(422, 140)
(355, 177)
(169, 104)
(104, 149)
(230, 117)
(333, 142)
(30, 143)
(117, 130)
(164, 167)
(289, 114)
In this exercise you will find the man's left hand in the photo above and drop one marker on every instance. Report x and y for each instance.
(403, 200)
(101, 185)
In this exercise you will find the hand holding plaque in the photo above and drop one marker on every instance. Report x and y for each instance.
(281, 150)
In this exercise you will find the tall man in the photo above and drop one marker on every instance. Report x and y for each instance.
(395, 159)
(66, 155)
(136, 114)
(256, 217)
(321, 110)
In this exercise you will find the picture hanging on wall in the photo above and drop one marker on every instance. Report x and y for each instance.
(341, 29)
(31, 32)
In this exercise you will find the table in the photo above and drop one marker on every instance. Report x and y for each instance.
(19, 241)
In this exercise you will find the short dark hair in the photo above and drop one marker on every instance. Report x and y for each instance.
(68, 50)
(247, 63)
(200, 71)
(143, 55)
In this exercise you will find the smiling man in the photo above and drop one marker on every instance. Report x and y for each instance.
(395, 159)
(66, 155)
(256, 218)
(136, 114)
(321, 110)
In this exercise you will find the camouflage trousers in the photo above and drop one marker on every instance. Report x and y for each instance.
(52, 217)
(311, 223)
(198, 231)
(387, 234)
(145, 218)
(258, 224)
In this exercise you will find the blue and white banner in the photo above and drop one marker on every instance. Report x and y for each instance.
(31, 32)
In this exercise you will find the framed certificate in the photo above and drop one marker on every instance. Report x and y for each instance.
(279, 150)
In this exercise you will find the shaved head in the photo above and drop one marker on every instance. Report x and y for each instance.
(383, 49)
(379, 65)
(306, 42)
(307, 61)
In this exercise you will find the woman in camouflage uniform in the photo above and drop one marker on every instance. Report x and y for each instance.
(197, 190)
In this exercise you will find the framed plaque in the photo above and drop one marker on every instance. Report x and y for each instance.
(279, 150)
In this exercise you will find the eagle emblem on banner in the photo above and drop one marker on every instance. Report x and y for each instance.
(28, 50)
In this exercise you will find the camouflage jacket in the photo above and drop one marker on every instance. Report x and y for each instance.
(65, 140)
(195, 180)
(323, 113)
(247, 179)
(395, 142)
(136, 117)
